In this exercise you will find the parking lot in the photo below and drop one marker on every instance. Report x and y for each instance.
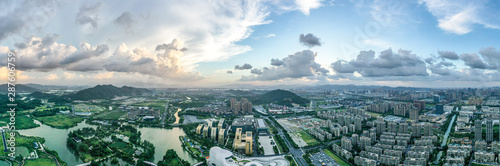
(322, 157)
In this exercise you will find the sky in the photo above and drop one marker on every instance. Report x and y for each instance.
(252, 43)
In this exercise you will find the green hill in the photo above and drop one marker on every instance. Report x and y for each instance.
(40, 95)
(19, 88)
(106, 92)
(281, 97)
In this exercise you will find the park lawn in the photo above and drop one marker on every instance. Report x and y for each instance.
(114, 115)
(373, 114)
(335, 157)
(119, 144)
(280, 147)
(40, 161)
(307, 138)
(22, 122)
(60, 121)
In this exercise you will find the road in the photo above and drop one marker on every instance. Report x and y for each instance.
(164, 116)
(296, 153)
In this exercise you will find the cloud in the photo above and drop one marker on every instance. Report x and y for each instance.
(44, 54)
(88, 15)
(256, 71)
(460, 17)
(448, 55)
(309, 40)
(245, 66)
(440, 70)
(298, 65)
(165, 64)
(492, 56)
(52, 77)
(229, 72)
(276, 62)
(19, 17)
(306, 5)
(125, 20)
(271, 35)
(86, 51)
(473, 60)
(388, 63)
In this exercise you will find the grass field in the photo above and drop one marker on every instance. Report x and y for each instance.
(307, 138)
(335, 157)
(373, 114)
(60, 121)
(22, 122)
(40, 161)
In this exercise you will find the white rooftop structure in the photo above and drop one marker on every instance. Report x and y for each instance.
(223, 157)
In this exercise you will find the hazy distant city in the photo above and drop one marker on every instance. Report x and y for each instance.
(249, 83)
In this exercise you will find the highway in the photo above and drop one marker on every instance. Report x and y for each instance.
(164, 116)
(296, 153)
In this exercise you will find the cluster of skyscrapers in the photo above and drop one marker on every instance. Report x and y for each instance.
(241, 107)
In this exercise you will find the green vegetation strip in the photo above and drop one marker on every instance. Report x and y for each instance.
(335, 157)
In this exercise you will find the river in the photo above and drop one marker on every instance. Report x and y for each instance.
(162, 139)
(177, 118)
(445, 138)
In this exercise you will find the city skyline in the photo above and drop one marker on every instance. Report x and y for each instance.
(241, 44)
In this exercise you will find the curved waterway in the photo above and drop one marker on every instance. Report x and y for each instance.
(162, 139)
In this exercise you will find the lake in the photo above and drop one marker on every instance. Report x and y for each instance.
(162, 139)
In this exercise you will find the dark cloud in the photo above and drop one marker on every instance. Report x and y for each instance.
(245, 66)
(309, 40)
(448, 55)
(491, 56)
(86, 51)
(276, 62)
(402, 63)
(256, 71)
(473, 60)
(88, 14)
(429, 60)
(21, 45)
(125, 20)
(440, 69)
(298, 65)
(229, 72)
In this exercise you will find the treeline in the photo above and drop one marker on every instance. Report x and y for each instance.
(172, 159)
(48, 112)
(20, 105)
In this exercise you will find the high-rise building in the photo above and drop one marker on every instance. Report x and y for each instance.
(354, 139)
(243, 141)
(416, 130)
(380, 126)
(392, 127)
(475, 101)
(478, 135)
(420, 104)
(439, 109)
(414, 114)
(489, 130)
(358, 122)
(222, 135)
(214, 133)
(403, 127)
(436, 98)
(346, 144)
(428, 127)
(242, 107)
